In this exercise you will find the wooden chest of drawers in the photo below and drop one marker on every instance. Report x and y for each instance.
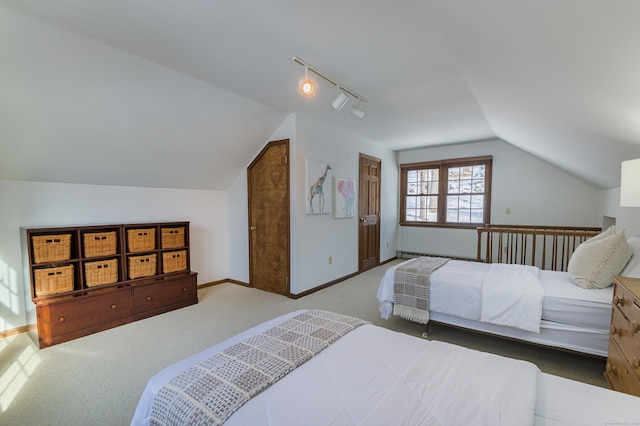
(623, 363)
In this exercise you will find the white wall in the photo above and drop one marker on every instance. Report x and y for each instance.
(320, 236)
(316, 237)
(536, 192)
(32, 204)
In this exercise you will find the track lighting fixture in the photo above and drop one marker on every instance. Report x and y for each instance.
(339, 102)
(343, 93)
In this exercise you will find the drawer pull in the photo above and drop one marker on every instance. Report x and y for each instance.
(148, 297)
(114, 306)
(184, 289)
(61, 319)
(635, 362)
(611, 368)
(615, 330)
(635, 327)
(618, 300)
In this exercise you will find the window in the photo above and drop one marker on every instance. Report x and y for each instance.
(449, 193)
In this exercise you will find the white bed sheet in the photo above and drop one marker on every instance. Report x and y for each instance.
(558, 401)
(579, 339)
(566, 303)
(566, 402)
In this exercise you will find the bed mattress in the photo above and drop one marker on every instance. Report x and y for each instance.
(566, 303)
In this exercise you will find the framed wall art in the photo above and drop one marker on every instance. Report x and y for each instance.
(318, 200)
(345, 196)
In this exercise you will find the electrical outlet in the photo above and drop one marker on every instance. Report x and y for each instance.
(507, 210)
(330, 259)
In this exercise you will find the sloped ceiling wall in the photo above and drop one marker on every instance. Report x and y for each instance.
(184, 93)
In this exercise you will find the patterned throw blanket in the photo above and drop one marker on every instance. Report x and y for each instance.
(411, 288)
(211, 391)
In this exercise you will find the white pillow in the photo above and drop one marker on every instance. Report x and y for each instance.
(604, 234)
(634, 244)
(593, 263)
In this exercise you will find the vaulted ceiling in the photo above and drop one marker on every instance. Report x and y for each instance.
(183, 93)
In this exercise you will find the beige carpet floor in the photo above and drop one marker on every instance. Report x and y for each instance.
(97, 379)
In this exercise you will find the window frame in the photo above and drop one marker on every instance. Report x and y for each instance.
(443, 167)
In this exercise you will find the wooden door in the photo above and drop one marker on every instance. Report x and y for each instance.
(269, 236)
(369, 213)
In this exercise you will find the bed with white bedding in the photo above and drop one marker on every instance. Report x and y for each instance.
(570, 317)
(372, 375)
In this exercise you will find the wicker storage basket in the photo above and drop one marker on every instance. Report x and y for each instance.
(53, 280)
(174, 261)
(141, 239)
(51, 248)
(99, 244)
(172, 237)
(102, 272)
(142, 266)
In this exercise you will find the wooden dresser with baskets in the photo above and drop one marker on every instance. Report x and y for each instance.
(85, 279)
(623, 362)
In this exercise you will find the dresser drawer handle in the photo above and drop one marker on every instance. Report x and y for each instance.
(148, 297)
(635, 362)
(615, 330)
(635, 327)
(114, 306)
(618, 300)
(61, 319)
(611, 368)
(184, 289)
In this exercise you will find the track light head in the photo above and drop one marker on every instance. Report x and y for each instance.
(340, 100)
(307, 86)
(357, 112)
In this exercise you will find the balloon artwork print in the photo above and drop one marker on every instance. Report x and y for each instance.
(345, 197)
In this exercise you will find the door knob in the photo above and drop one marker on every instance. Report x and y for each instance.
(363, 220)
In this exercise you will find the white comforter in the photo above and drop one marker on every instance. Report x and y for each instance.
(362, 380)
(375, 376)
(500, 294)
(512, 295)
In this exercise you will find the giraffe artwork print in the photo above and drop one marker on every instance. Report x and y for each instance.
(319, 196)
